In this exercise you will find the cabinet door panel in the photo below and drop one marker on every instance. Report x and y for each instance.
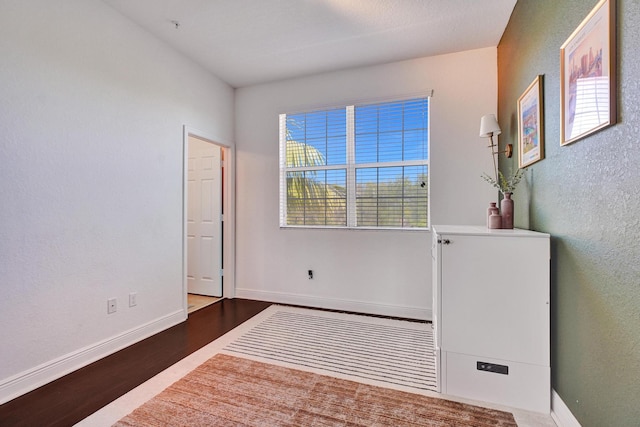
(495, 297)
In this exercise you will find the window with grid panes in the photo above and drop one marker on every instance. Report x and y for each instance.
(361, 166)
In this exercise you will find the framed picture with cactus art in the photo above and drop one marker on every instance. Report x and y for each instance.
(531, 124)
(588, 75)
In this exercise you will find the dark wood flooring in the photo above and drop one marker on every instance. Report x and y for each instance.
(73, 397)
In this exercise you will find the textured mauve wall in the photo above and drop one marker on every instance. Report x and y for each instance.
(587, 196)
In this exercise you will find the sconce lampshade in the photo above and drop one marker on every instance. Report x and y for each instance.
(489, 126)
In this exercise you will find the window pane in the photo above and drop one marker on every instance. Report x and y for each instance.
(316, 139)
(392, 197)
(296, 154)
(295, 198)
(316, 125)
(295, 127)
(416, 196)
(390, 212)
(317, 198)
(366, 118)
(315, 152)
(314, 211)
(336, 150)
(416, 114)
(366, 148)
(390, 147)
(337, 123)
(415, 145)
(367, 197)
(391, 132)
(390, 117)
(336, 213)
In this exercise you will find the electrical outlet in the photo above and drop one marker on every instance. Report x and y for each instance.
(112, 305)
(133, 299)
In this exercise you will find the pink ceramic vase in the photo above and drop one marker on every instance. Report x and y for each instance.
(506, 210)
(493, 209)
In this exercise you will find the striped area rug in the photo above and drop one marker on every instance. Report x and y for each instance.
(385, 350)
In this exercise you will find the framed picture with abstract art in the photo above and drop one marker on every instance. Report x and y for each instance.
(588, 75)
(531, 124)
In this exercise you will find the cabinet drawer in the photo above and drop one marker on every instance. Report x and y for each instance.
(525, 386)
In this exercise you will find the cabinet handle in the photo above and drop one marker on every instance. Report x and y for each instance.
(445, 241)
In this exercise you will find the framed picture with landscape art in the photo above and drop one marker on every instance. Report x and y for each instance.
(588, 75)
(531, 124)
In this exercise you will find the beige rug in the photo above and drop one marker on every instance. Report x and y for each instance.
(231, 391)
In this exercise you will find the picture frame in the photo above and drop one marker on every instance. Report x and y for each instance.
(531, 124)
(588, 75)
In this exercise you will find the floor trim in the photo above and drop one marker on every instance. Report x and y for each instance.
(561, 413)
(337, 304)
(31, 379)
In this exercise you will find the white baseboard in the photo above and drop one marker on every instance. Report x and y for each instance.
(560, 412)
(337, 304)
(31, 379)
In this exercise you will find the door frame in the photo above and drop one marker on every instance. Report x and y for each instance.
(228, 207)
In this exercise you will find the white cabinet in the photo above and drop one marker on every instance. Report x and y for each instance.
(491, 315)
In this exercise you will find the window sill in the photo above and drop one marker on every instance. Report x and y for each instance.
(306, 227)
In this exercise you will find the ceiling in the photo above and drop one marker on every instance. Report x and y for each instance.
(246, 42)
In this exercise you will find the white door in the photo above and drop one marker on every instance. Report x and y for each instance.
(204, 219)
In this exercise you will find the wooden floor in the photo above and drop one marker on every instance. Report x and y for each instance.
(68, 400)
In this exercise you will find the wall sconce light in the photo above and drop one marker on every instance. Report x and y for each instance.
(489, 127)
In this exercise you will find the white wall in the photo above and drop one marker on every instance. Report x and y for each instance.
(383, 272)
(91, 122)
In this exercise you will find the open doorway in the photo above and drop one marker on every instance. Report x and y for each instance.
(205, 204)
(204, 218)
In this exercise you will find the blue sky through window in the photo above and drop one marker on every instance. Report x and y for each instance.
(390, 132)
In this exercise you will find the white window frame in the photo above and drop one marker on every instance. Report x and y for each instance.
(351, 167)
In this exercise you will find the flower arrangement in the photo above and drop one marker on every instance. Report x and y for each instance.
(503, 184)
